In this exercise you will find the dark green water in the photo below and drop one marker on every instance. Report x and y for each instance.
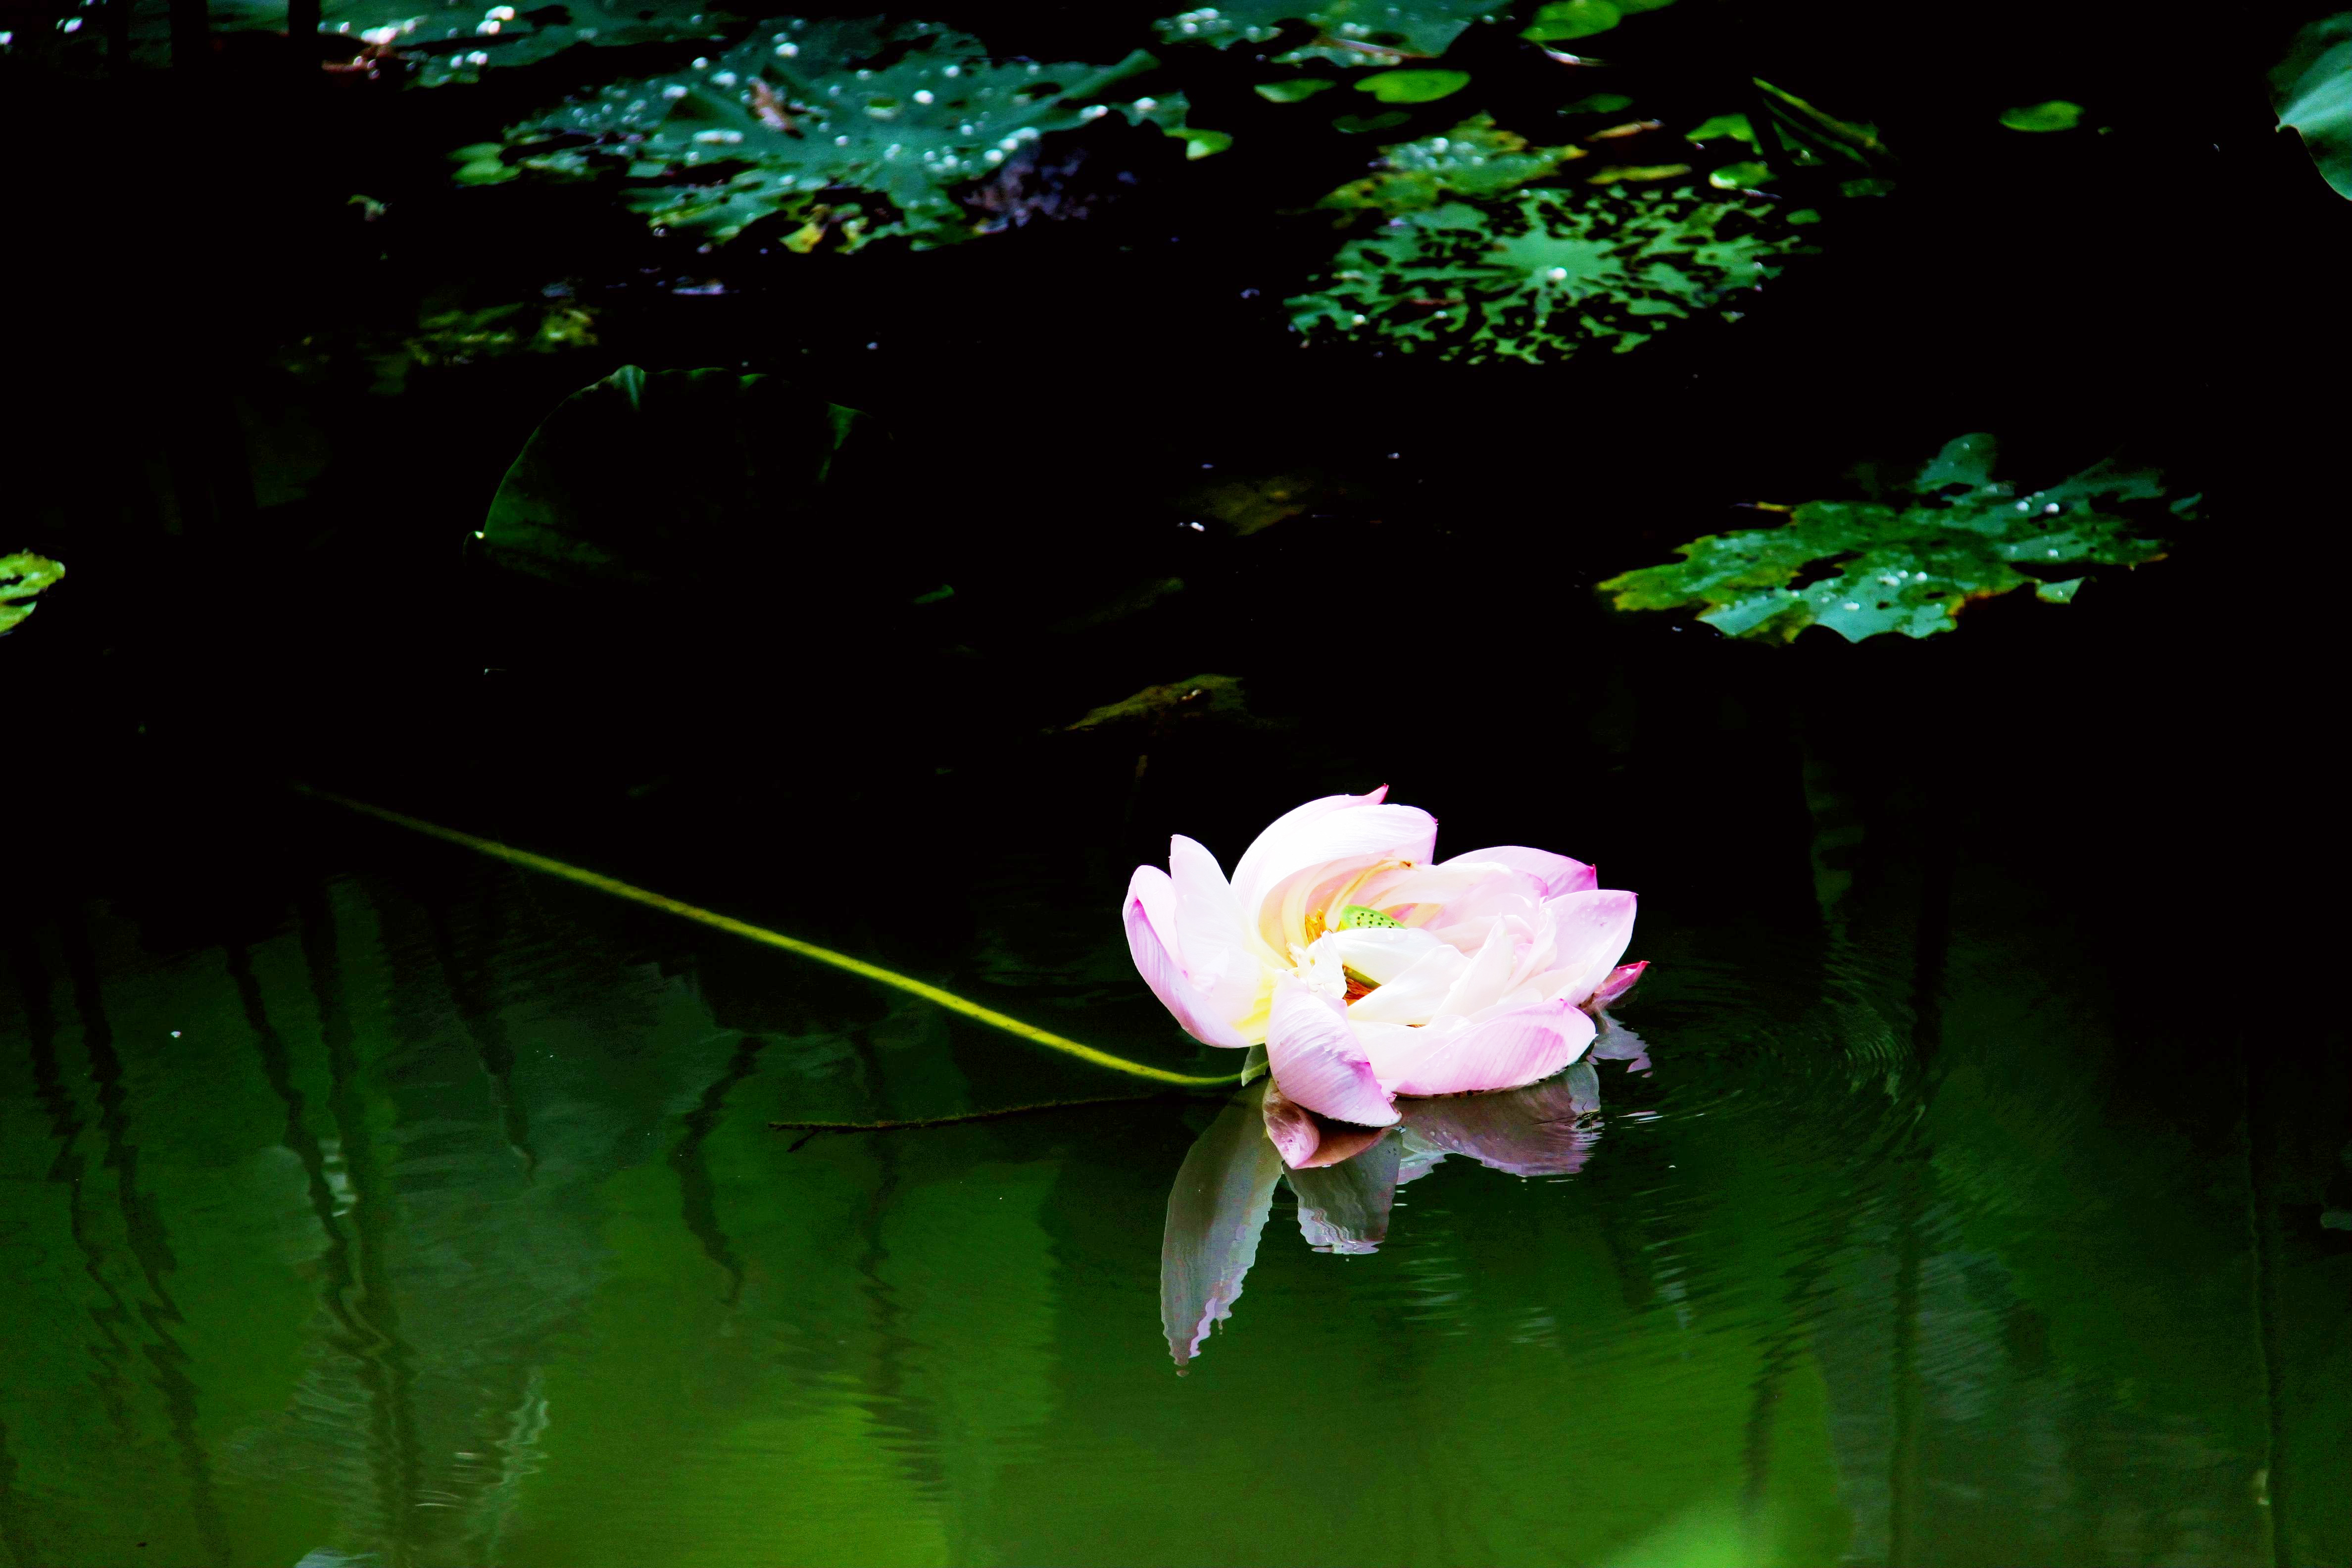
(440, 1219)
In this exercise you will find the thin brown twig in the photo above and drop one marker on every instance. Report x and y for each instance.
(813, 1128)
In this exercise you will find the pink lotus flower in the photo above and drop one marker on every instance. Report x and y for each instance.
(1369, 972)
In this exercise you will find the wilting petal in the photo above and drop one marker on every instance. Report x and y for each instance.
(1593, 928)
(1344, 1207)
(1225, 964)
(1530, 1131)
(1319, 1061)
(1159, 966)
(1216, 1210)
(1557, 873)
(1517, 1049)
(1621, 980)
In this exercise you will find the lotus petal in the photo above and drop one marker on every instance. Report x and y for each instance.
(1159, 967)
(1344, 1207)
(1520, 1047)
(1621, 980)
(1317, 1060)
(1557, 873)
(1216, 1210)
(1593, 928)
(1223, 960)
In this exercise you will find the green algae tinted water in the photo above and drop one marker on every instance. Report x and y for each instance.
(437, 1219)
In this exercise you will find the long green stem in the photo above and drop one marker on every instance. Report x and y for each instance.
(808, 949)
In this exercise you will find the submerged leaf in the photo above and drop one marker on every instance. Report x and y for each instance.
(1157, 706)
(1869, 567)
(1544, 273)
(22, 575)
(741, 461)
(2312, 90)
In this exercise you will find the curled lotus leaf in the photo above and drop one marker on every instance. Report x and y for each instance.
(1862, 568)
(2312, 90)
(22, 575)
(1544, 274)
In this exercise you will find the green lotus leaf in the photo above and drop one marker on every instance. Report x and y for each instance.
(2055, 115)
(792, 123)
(1475, 158)
(2312, 90)
(1951, 533)
(1543, 274)
(1349, 32)
(1413, 86)
(22, 575)
(1563, 19)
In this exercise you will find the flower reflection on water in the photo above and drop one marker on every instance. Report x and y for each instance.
(1223, 1192)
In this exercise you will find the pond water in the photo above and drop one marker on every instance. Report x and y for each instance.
(1968, 1181)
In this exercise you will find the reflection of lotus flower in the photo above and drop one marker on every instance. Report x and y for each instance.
(1369, 972)
(1224, 1191)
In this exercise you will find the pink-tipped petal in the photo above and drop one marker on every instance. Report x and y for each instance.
(1557, 873)
(1216, 1210)
(1319, 1061)
(1344, 1207)
(1621, 980)
(1593, 930)
(1517, 1049)
(1163, 975)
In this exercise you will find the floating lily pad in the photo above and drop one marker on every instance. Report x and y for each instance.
(1413, 86)
(2312, 90)
(22, 575)
(790, 119)
(2055, 115)
(1351, 32)
(1294, 89)
(1732, 127)
(1862, 568)
(753, 457)
(1476, 158)
(1543, 274)
(1563, 19)
(1156, 708)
